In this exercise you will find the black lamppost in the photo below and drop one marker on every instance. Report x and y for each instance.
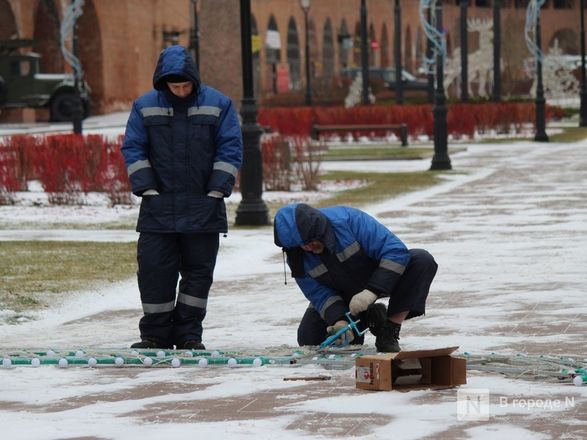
(440, 160)
(399, 86)
(429, 53)
(583, 113)
(252, 210)
(464, 52)
(540, 135)
(77, 106)
(364, 54)
(496, 50)
(195, 34)
(306, 8)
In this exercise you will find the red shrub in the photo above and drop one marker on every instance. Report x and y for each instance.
(111, 175)
(463, 119)
(276, 163)
(66, 165)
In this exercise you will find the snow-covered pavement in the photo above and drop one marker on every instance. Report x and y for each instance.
(508, 228)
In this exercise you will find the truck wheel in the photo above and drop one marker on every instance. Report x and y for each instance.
(2, 91)
(62, 106)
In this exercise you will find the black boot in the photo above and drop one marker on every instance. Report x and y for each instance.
(386, 332)
(192, 345)
(148, 343)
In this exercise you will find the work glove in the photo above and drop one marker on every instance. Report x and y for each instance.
(361, 301)
(215, 194)
(151, 192)
(346, 338)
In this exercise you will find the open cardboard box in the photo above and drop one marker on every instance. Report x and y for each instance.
(409, 370)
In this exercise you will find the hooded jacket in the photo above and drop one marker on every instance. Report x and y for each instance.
(359, 253)
(183, 148)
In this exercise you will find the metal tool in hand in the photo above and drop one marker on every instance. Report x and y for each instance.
(352, 325)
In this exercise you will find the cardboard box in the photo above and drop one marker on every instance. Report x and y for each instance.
(409, 370)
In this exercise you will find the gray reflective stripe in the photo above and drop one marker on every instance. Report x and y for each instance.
(328, 303)
(158, 308)
(348, 252)
(138, 165)
(156, 111)
(393, 266)
(192, 300)
(204, 110)
(317, 271)
(225, 166)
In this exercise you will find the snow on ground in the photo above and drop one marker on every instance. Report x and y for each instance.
(508, 228)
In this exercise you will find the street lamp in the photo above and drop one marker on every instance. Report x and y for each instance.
(430, 74)
(305, 4)
(399, 87)
(583, 113)
(252, 210)
(496, 50)
(464, 53)
(77, 107)
(440, 160)
(364, 54)
(540, 135)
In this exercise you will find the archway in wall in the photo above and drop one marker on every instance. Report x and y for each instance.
(90, 55)
(327, 50)
(293, 55)
(8, 27)
(344, 45)
(373, 48)
(384, 47)
(568, 41)
(420, 50)
(315, 64)
(357, 45)
(408, 59)
(47, 37)
(272, 54)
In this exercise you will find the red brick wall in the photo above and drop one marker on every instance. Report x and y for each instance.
(121, 40)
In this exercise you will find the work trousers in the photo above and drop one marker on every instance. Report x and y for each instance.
(171, 319)
(409, 294)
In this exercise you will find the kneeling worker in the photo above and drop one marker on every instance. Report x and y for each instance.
(344, 260)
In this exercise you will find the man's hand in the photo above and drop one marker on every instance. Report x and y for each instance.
(361, 301)
(346, 338)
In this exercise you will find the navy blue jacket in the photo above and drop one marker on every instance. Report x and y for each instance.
(183, 149)
(360, 253)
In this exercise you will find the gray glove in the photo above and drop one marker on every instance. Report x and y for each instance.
(346, 338)
(215, 194)
(361, 301)
(151, 192)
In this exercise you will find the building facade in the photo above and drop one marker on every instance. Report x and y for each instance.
(119, 40)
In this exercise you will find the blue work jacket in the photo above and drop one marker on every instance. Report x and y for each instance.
(360, 253)
(188, 150)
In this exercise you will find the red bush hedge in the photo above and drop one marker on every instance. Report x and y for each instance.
(66, 166)
(463, 119)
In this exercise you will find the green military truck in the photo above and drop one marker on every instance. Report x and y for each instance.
(22, 85)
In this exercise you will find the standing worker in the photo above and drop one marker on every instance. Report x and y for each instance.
(344, 260)
(182, 149)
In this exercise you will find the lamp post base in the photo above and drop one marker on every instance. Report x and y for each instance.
(583, 112)
(252, 212)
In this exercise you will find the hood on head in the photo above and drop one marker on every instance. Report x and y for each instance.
(175, 61)
(297, 224)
